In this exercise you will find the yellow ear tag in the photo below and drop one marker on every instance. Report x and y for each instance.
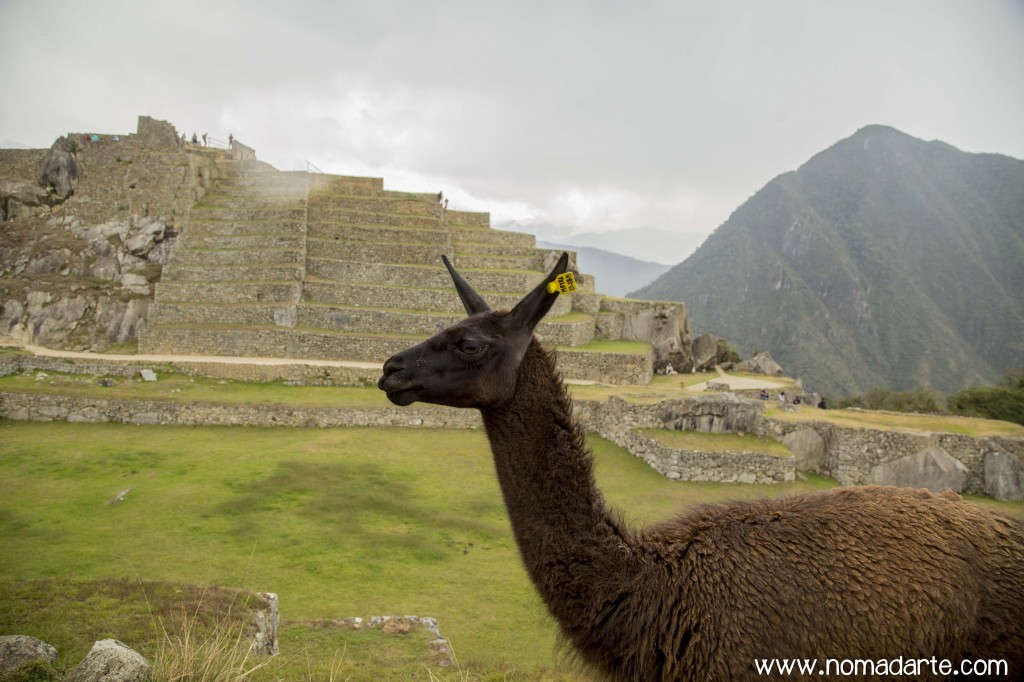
(563, 284)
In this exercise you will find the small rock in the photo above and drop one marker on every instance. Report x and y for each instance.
(147, 374)
(111, 661)
(396, 626)
(17, 651)
(119, 498)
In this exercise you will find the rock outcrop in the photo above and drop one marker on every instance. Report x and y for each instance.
(704, 350)
(18, 199)
(59, 170)
(762, 363)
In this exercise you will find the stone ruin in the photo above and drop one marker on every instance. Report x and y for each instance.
(203, 251)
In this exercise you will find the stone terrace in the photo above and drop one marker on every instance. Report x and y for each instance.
(280, 264)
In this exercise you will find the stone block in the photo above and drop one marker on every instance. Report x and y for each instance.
(807, 447)
(1004, 476)
(931, 467)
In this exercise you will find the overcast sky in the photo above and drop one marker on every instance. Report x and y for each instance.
(559, 117)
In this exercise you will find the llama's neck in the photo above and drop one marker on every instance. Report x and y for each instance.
(570, 543)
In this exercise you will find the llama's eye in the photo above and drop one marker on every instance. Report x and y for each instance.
(467, 347)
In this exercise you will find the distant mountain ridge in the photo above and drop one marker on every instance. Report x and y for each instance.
(615, 274)
(884, 261)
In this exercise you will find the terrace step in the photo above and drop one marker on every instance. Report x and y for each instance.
(476, 235)
(228, 292)
(431, 276)
(256, 242)
(347, 185)
(248, 212)
(229, 228)
(377, 252)
(375, 233)
(492, 249)
(243, 270)
(570, 330)
(403, 297)
(480, 261)
(347, 216)
(400, 203)
(253, 341)
(229, 257)
(608, 367)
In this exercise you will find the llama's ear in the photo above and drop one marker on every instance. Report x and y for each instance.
(473, 302)
(536, 304)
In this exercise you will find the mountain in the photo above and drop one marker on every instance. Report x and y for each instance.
(615, 274)
(884, 261)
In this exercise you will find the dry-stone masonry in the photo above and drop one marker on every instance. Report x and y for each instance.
(201, 251)
(992, 466)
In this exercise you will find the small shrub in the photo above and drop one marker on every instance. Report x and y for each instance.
(919, 400)
(996, 402)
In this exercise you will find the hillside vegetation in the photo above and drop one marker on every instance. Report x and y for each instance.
(884, 261)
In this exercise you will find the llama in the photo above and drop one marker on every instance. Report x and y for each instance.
(865, 573)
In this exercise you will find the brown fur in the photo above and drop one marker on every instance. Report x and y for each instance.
(852, 573)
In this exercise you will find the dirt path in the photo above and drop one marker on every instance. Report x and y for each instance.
(736, 383)
(227, 360)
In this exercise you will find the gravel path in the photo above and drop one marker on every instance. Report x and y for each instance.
(228, 360)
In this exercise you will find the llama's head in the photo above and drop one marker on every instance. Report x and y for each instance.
(473, 363)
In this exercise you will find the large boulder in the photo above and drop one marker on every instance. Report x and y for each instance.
(50, 322)
(19, 651)
(1004, 476)
(121, 319)
(808, 449)
(932, 468)
(58, 170)
(665, 325)
(18, 198)
(762, 363)
(111, 661)
(705, 352)
(144, 235)
(10, 316)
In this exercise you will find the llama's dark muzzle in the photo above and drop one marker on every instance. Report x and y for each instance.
(396, 384)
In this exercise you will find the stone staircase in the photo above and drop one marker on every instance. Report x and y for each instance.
(313, 266)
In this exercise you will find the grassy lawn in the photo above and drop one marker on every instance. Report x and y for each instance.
(717, 442)
(661, 388)
(899, 421)
(339, 522)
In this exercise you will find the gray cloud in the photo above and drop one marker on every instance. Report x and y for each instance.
(581, 116)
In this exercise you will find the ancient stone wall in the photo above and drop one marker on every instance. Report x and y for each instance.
(609, 368)
(993, 466)
(47, 407)
(853, 456)
(297, 374)
(20, 164)
(622, 422)
(701, 465)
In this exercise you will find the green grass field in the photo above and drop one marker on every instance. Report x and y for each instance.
(338, 522)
